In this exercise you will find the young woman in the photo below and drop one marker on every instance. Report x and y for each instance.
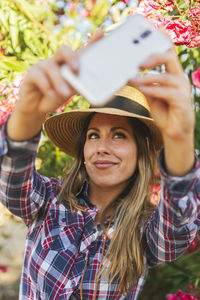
(92, 235)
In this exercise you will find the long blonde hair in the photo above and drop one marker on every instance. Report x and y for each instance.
(126, 250)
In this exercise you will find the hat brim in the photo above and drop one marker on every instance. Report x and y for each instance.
(64, 128)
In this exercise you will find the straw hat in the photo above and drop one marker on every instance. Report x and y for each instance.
(64, 128)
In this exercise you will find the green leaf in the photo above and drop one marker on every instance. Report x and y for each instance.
(29, 57)
(17, 66)
(4, 19)
(14, 29)
(100, 11)
(174, 13)
(53, 162)
(37, 11)
(181, 4)
(22, 22)
(33, 42)
(77, 41)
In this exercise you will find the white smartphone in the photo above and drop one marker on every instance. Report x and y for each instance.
(109, 63)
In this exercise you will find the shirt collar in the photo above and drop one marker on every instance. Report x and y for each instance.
(84, 196)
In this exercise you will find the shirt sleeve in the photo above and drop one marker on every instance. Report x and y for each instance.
(175, 222)
(23, 190)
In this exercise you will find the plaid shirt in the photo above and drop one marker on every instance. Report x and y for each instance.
(58, 242)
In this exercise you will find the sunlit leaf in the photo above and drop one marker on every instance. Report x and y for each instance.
(14, 65)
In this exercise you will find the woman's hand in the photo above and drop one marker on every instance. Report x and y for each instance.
(169, 98)
(44, 88)
(42, 91)
(168, 95)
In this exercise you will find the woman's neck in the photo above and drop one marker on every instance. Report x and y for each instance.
(103, 196)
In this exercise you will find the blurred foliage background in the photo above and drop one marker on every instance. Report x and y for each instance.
(32, 30)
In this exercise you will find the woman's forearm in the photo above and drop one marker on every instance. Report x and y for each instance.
(23, 127)
(179, 156)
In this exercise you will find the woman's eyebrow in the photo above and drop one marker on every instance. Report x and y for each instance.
(117, 128)
(112, 129)
(93, 128)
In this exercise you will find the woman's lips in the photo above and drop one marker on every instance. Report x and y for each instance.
(104, 164)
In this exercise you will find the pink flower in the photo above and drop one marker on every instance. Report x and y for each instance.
(84, 13)
(9, 94)
(6, 107)
(89, 4)
(195, 245)
(167, 5)
(2, 50)
(3, 268)
(147, 7)
(194, 14)
(180, 296)
(157, 19)
(183, 296)
(151, 10)
(179, 31)
(73, 6)
(125, 1)
(196, 78)
(155, 196)
(172, 297)
(194, 38)
(190, 287)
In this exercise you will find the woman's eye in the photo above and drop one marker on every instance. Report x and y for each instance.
(93, 136)
(119, 135)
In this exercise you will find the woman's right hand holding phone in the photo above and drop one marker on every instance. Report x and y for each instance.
(43, 91)
(169, 98)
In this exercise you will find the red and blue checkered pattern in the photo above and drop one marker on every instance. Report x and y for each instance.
(58, 242)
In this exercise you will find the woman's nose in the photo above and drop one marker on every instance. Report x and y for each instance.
(104, 146)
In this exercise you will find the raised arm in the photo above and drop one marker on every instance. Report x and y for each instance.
(22, 189)
(174, 224)
(169, 97)
(43, 90)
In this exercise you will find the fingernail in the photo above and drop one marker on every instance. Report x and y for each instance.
(64, 89)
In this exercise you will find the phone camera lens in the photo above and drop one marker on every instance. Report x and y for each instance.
(145, 34)
(136, 41)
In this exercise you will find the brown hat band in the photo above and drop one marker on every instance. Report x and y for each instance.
(131, 106)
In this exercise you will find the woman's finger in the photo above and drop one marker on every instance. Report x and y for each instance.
(65, 55)
(58, 84)
(33, 90)
(159, 79)
(169, 59)
(50, 102)
(170, 95)
(97, 36)
(31, 81)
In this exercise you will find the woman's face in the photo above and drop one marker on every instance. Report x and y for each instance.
(110, 151)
